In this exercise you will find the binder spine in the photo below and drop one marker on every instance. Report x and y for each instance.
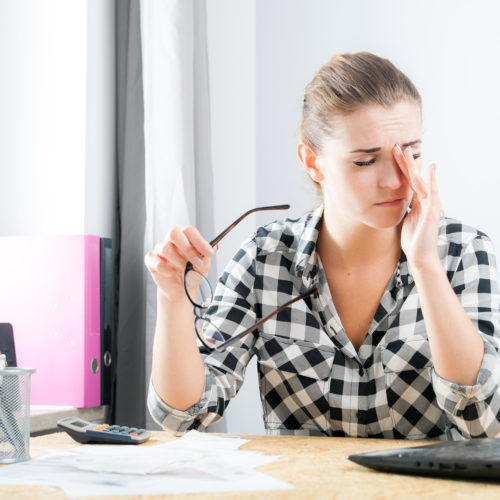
(92, 322)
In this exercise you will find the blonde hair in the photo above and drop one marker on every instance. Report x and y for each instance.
(345, 83)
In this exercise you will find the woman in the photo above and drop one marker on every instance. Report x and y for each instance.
(400, 338)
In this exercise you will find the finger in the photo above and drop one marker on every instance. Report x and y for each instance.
(401, 162)
(205, 267)
(157, 265)
(433, 179)
(421, 186)
(412, 182)
(434, 187)
(184, 247)
(168, 251)
(415, 203)
(197, 240)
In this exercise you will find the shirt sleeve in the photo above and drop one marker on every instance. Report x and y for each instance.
(475, 410)
(232, 311)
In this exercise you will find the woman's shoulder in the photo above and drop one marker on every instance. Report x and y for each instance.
(455, 232)
(287, 234)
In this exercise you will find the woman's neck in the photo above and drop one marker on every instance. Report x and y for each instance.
(353, 244)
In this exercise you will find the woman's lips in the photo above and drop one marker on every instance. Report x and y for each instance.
(390, 203)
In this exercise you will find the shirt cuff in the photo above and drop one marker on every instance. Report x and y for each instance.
(453, 398)
(171, 418)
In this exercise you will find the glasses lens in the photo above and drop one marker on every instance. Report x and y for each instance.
(198, 288)
(208, 333)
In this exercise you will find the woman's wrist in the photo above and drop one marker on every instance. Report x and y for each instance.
(425, 266)
(170, 300)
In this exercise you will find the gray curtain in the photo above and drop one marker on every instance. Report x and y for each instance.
(179, 175)
(129, 239)
(135, 233)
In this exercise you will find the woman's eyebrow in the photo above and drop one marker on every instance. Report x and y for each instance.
(374, 150)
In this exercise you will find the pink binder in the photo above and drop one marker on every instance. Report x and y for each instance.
(50, 293)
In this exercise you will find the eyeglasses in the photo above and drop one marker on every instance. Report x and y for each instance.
(200, 294)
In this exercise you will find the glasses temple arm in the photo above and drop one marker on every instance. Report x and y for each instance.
(263, 320)
(237, 221)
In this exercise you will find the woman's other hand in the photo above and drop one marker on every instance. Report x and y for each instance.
(420, 227)
(167, 261)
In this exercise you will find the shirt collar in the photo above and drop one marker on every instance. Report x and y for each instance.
(306, 262)
(403, 276)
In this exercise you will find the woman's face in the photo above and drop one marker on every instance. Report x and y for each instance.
(361, 179)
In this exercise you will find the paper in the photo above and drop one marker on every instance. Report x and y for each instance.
(194, 463)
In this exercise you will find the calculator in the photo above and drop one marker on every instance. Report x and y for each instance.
(86, 432)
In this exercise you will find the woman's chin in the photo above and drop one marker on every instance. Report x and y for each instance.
(387, 220)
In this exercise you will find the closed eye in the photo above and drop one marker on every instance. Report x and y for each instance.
(372, 161)
(364, 163)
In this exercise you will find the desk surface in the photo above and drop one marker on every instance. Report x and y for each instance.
(316, 466)
(44, 419)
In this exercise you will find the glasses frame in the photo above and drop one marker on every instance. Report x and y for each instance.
(198, 317)
(218, 238)
(234, 338)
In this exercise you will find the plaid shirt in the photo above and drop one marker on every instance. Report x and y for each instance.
(312, 380)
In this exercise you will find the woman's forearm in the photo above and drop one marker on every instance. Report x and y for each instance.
(177, 368)
(456, 346)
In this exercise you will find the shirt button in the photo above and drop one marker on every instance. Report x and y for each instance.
(360, 415)
(361, 371)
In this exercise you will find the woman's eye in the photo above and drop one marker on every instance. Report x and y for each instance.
(372, 161)
(364, 163)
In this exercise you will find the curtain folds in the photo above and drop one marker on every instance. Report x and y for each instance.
(164, 166)
(178, 171)
(131, 216)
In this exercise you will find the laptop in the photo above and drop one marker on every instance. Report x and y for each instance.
(472, 459)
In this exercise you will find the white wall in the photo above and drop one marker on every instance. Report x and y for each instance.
(100, 119)
(231, 43)
(57, 117)
(447, 47)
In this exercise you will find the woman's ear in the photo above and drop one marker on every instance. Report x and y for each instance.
(309, 158)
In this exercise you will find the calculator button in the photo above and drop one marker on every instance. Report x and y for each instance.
(134, 434)
(101, 427)
(132, 429)
(141, 431)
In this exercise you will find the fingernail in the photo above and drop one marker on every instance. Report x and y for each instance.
(398, 148)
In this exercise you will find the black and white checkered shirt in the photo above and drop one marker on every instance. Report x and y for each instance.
(312, 380)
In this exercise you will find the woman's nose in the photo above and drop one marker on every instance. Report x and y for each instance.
(391, 176)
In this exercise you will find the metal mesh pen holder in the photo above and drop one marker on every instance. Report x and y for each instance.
(14, 414)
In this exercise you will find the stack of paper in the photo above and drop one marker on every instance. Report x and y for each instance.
(194, 463)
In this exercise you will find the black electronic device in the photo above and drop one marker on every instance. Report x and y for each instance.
(471, 459)
(86, 432)
(7, 346)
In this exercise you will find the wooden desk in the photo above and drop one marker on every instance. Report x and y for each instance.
(315, 465)
(43, 420)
